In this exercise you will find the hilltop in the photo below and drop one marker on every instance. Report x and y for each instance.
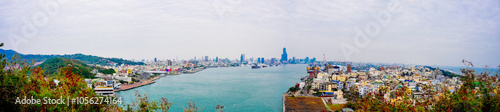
(87, 59)
(52, 66)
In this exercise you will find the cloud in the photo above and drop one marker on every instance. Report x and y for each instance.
(426, 32)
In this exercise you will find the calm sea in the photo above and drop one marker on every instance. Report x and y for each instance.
(239, 89)
(456, 69)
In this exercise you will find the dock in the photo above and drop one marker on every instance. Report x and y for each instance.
(193, 71)
(131, 86)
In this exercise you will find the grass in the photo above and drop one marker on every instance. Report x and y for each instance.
(304, 104)
(334, 107)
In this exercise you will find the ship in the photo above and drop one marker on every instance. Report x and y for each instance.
(255, 66)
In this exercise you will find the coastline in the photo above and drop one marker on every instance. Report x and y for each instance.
(456, 69)
(151, 81)
(132, 86)
(193, 71)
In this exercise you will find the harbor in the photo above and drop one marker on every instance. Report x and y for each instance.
(234, 87)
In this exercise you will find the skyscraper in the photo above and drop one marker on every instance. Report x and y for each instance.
(348, 68)
(216, 59)
(206, 58)
(169, 62)
(284, 56)
(155, 59)
(306, 60)
(242, 58)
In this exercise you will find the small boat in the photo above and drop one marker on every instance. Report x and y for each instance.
(118, 85)
(255, 67)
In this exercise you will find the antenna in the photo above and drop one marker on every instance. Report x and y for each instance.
(324, 59)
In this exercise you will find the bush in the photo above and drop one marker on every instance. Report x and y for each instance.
(350, 105)
(123, 82)
(142, 104)
(293, 89)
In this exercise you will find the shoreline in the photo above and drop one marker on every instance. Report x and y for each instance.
(151, 81)
(132, 86)
(193, 71)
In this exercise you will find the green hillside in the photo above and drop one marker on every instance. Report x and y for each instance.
(52, 66)
(87, 59)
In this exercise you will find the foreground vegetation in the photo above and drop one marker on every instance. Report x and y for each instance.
(19, 79)
(479, 92)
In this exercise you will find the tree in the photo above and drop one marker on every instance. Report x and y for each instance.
(219, 108)
(192, 107)
(352, 94)
(108, 71)
(308, 88)
(142, 104)
(293, 89)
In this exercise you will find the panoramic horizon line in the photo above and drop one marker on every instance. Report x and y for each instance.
(384, 63)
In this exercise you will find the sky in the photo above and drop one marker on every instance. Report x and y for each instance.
(423, 32)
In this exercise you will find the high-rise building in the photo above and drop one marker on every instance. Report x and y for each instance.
(306, 60)
(169, 62)
(260, 60)
(242, 58)
(155, 59)
(273, 60)
(284, 56)
(348, 68)
(206, 58)
(216, 59)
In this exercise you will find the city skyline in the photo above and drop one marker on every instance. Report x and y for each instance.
(422, 33)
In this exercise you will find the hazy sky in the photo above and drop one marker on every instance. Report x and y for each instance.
(425, 32)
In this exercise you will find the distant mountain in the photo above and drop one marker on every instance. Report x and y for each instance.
(87, 59)
(445, 72)
(52, 66)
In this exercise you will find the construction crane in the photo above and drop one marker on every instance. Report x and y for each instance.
(324, 60)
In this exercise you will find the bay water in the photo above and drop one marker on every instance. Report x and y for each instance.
(478, 70)
(238, 89)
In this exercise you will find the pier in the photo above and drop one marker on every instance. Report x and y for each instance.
(131, 86)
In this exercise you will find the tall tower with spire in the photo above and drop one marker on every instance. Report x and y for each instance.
(284, 56)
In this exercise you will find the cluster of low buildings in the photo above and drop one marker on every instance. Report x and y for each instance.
(333, 80)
